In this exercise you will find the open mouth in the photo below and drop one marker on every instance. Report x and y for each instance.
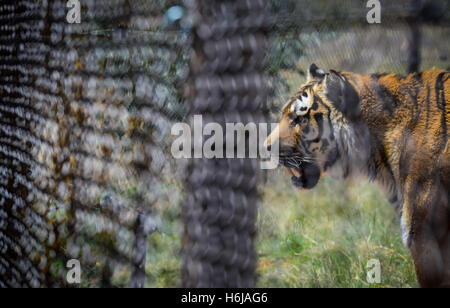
(305, 175)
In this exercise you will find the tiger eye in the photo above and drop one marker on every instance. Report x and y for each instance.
(305, 94)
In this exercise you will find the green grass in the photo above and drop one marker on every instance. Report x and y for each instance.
(318, 238)
(326, 236)
(164, 256)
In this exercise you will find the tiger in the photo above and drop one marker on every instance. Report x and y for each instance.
(392, 129)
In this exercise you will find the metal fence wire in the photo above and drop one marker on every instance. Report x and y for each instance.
(336, 35)
(84, 117)
(86, 112)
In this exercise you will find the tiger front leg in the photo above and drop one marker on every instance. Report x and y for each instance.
(426, 221)
(445, 251)
(430, 266)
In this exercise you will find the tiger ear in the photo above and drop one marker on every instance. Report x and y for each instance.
(342, 94)
(315, 72)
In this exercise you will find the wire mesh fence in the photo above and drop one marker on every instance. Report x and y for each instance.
(86, 112)
(336, 35)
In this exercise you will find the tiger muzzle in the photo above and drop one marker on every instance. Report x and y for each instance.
(305, 175)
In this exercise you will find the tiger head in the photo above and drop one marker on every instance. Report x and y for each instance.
(313, 125)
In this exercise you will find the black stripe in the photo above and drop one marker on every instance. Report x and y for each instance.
(441, 104)
(334, 154)
(407, 154)
(304, 147)
(319, 100)
(324, 145)
(388, 99)
(428, 107)
(405, 158)
(332, 158)
(378, 76)
(319, 120)
(413, 91)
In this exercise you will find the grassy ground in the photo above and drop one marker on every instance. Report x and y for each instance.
(318, 238)
(325, 237)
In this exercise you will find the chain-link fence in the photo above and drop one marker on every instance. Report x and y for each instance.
(86, 116)
(86, 112)
(337, 35)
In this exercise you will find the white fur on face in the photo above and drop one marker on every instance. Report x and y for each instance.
(302, 105)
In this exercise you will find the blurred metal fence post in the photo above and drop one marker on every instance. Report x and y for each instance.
(13, 192)
(226, 85)
(24, 261)
(415, 36)
(85, 111)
